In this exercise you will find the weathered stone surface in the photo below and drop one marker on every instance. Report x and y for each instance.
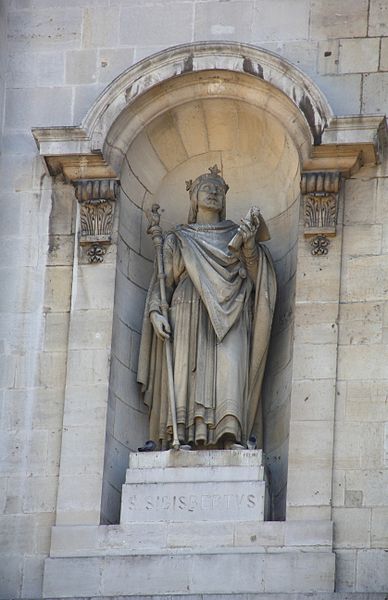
(182, 501)
(33, 576)
(384, 54)
(345, 567)
(352, 527)
(134, 266)
(328, 57)
(370, 282)
(315, 322)
(83, 509)
(362, 239)
(339, 87)
(379, 532)
(37, 29)
(353, 498)
(358, 55)
(184, 493)
(301, 53)
(194, 573)
(311, 441)
(100, 27)
(84, 97)
(92, 280)
(311, 402)
(124, 385)
(315, 361)
(58, 287)
(10, 575)
(362, 362)
(378, 18)
(347, 446)
(46, 106)
(338, 487)
(234, 22)
(372, 571)
(91, 329)
(81, 66)
(155, 30)
(381, 199)
(309, 488)
(366, 401)
(32, 68)
(162, 537)
(375, 93)
(112, 62)
(371, 482)
(338, 17)
(270, 19)
(361, 323)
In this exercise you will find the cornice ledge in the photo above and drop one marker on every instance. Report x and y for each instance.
(67, 151)
(348, 143)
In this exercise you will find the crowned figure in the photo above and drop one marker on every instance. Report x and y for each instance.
(221, 291)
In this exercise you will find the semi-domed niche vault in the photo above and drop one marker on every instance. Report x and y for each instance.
(188, 123)
(162, 122)
(260, 162)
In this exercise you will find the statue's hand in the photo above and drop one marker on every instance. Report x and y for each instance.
(161, 325)
(248, 229)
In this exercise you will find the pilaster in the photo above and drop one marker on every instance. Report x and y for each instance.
(89, 344)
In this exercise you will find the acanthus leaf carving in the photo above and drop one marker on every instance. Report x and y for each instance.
(320, 204)
(320, 212)
(96, 199)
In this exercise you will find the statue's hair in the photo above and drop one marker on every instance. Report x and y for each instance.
(193, 188)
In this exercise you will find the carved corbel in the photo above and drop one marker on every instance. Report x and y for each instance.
(320, 207)
(96, 199)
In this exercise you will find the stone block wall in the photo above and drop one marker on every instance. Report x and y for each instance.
(360, 482)
(56, 58)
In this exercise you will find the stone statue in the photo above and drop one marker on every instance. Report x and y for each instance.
(221, 289)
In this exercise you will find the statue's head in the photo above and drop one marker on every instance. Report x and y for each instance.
(207, 184)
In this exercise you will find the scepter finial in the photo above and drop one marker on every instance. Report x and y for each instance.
(153, 217)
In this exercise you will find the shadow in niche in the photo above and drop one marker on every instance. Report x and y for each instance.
(261, 166)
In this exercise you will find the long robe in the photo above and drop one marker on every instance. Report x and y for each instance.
(221, 322)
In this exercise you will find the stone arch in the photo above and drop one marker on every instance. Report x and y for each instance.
(104, 121)
(177, 121)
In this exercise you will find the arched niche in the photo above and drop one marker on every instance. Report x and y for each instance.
(164, 120)
(257, 137)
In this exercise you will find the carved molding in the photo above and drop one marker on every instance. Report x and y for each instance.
(320, 206)
(96, 199)
(320, 245)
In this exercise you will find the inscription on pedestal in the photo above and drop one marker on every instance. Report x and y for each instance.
(193, 501)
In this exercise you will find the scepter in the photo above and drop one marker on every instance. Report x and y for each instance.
(155, 231)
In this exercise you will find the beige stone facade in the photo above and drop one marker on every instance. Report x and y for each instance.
(70, 408)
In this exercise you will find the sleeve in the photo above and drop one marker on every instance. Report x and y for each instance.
(250, 257)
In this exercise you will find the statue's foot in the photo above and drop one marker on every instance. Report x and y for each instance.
(237, 447)
(231, 444)
(185, 447)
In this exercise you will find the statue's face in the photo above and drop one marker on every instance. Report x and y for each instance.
(211, 196)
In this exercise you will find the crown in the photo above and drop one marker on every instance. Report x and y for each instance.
(214, 173)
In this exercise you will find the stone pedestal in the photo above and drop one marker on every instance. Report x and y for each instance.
(192, 523)
(178, 486)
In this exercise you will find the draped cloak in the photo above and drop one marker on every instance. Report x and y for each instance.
(221, 322)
